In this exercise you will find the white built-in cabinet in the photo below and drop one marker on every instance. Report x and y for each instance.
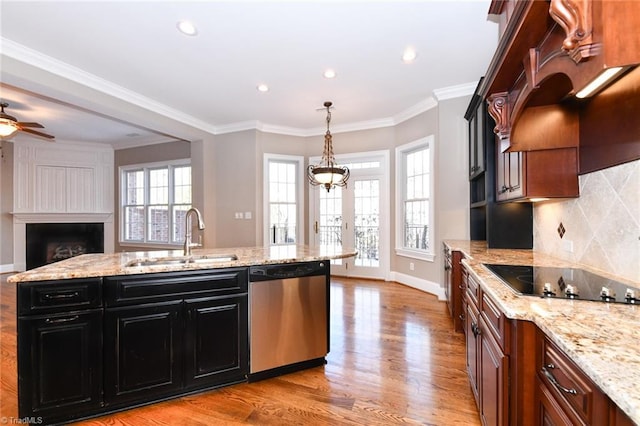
(63, 178)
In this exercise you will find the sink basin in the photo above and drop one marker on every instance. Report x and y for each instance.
(162, 261)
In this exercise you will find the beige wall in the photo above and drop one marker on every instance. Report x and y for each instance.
(228, 169)
(603, 224)
(139, 155)
(235, 187)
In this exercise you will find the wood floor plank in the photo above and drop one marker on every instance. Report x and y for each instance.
(394, 360)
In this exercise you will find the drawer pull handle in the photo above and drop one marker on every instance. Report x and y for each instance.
(475, 329)
(461, 316)
(555, 382)
(57, 296)
(60, 320)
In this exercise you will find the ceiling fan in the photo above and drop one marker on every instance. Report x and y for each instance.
(9, 125)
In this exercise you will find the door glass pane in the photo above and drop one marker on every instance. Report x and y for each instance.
(330, 226)
(367, 222)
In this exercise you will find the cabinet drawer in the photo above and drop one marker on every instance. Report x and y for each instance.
(146, 288)
(473, 289)
(572, 390)
(56, 296)
(496, 321)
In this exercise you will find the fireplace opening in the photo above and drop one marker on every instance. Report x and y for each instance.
(52, 242)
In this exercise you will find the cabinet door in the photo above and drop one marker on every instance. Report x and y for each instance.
(60, 359)
(509, 175)
(473, 342)
(448, 281)
(494, 372)
(143, 356)
(548, 411)
(216, 341)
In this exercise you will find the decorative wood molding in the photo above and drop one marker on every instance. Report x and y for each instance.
(574, 16)
(499, 110)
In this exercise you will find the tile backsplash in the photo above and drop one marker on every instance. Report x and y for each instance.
(602, 226)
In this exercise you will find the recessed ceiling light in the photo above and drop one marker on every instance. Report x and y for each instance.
(262, 88)
(409, 55)
(187, 28)
(330, 73)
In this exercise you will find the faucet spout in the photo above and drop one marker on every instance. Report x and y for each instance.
(188, 245)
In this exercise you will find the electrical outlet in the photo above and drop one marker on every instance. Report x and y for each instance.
(247, 215)
(411, 266)
(567, 245)
(238, 215)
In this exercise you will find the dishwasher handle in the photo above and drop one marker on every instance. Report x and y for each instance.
(287, 270)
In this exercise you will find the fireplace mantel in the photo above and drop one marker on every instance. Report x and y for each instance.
(65, 182)
(62, 217)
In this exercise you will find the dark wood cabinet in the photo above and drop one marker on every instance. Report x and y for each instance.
(501, 225)
(59, 348)
(487, 338)
(473, 348)
(143, 352)
(215, 341)
(454, 287)
(174, 332)
(494, 371)
(478, 126)
(90, 346)
(565, 393)
(537, 174)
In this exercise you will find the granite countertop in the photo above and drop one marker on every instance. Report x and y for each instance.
(602, 339)
(102, 265)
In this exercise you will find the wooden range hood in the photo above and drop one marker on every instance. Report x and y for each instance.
(548, 51)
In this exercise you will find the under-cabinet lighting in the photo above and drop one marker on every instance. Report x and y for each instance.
(600, 81)
(537, 200)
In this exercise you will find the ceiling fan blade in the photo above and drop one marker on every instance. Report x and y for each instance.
(35, 132)
(30, 124)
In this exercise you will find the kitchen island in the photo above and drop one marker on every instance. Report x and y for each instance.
(104, 332)
(602, 339)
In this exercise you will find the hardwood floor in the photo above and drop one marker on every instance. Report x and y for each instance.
(394, 359)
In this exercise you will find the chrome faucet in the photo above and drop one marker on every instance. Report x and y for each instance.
(187, 231)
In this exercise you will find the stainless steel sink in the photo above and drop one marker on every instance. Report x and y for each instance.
(181, 260)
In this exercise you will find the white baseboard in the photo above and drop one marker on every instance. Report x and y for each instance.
(418, 283)
(7, 268)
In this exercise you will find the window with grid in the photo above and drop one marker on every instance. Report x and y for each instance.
(154, 199)
(283, 195)
(414, 203)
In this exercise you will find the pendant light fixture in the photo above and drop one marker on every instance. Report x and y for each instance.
(328, 173)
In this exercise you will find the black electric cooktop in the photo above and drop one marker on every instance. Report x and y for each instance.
(564, 283)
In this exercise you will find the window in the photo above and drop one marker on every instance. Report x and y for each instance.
(283, 196)
(414, 162)
(154, 199)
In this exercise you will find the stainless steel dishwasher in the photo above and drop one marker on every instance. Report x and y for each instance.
(289, 317)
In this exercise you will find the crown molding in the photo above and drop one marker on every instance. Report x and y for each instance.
(54, 66)
(457, 91)
(39, 60)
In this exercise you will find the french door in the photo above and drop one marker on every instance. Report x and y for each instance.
(356, 216)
